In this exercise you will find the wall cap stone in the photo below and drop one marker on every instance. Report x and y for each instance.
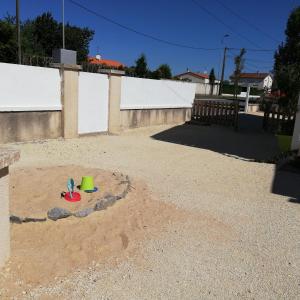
(66, 66)
(112, 72)
(8, 157)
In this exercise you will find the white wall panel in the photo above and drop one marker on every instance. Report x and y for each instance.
(140, 93)
(93, 103)
(28, 88)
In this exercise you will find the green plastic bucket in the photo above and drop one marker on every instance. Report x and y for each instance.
(87, 183)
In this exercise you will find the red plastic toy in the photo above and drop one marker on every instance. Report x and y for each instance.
(75, 197)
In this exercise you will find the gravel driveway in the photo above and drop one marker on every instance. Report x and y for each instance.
(246, 245)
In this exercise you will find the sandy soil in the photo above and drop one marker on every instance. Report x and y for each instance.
(44, 252)
(233, 231)
(34, 191)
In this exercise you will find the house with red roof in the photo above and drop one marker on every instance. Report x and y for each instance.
(97, 60)
(261, 81)
(193, 77)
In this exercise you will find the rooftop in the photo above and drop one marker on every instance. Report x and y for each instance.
(256, 75)
(198, 75)
(106, 62)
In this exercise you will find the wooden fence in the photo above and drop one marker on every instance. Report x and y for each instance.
(281, 121)
(215, 112)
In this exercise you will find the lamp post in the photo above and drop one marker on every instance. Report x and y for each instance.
(63, 23)
(18, 31)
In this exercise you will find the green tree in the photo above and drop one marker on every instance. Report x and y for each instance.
(287, 63)
(212, 79)
(40, 36)
(141, 69)
(8, 44)
(239, 62)
(164, 72)
(130, 71)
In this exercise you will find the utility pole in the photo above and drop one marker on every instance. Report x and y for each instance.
(18, 31)
(63, 23)
(223, 70)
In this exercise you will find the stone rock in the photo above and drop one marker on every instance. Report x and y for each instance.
(58, 213)
(27, 220)
(100, 205)
(107, 201)
(15, 219)
(84, 213)
(112, 198)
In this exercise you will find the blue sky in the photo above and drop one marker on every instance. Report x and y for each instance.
(178, 21)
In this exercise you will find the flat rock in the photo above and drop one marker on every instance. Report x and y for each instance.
(15, 219)
(84, 212)
(58, 213)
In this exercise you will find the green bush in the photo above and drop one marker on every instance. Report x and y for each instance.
(229, 89)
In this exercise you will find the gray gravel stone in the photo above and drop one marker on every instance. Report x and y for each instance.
(15, 219)
(84, 213)
(27, 220)
(100, 205)
(112, 198)
(58, 213)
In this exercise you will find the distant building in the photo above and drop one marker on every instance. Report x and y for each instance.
(258, 80)
(97, 60)
(193, 77)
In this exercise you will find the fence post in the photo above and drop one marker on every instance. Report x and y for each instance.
(69, 98)
(114, 106)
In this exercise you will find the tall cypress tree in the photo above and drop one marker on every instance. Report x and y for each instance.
(287, 63)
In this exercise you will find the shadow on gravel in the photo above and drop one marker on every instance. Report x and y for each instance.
(286, 182)
(249, 142)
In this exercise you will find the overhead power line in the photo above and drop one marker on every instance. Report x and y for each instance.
(140, 32)
(149, 36)
(260, 61)
(225, 24)
(253, 50)
(263, 64)
(247, 22)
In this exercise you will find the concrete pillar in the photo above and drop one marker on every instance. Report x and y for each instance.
(69, 99)
(247, 98)
(7, 157)
(114, 117)
(296, 133)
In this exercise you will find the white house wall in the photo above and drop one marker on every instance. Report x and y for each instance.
(193, 78)
(28, 88)
(140, 93)
(296, 134)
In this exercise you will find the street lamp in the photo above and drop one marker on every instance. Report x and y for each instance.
(63, 23)
(18, 31)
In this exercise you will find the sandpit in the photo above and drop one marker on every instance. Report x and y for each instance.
(43, 252)
(35, 191)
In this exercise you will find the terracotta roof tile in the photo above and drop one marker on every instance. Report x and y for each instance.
(106, 62)
(254, 75)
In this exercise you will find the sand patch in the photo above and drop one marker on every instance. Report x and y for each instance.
(33, 191)
(42, 253)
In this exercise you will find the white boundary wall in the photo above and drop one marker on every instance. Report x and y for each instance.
(141, 93)
(205, 89)
(93, 101)
(27, 88)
